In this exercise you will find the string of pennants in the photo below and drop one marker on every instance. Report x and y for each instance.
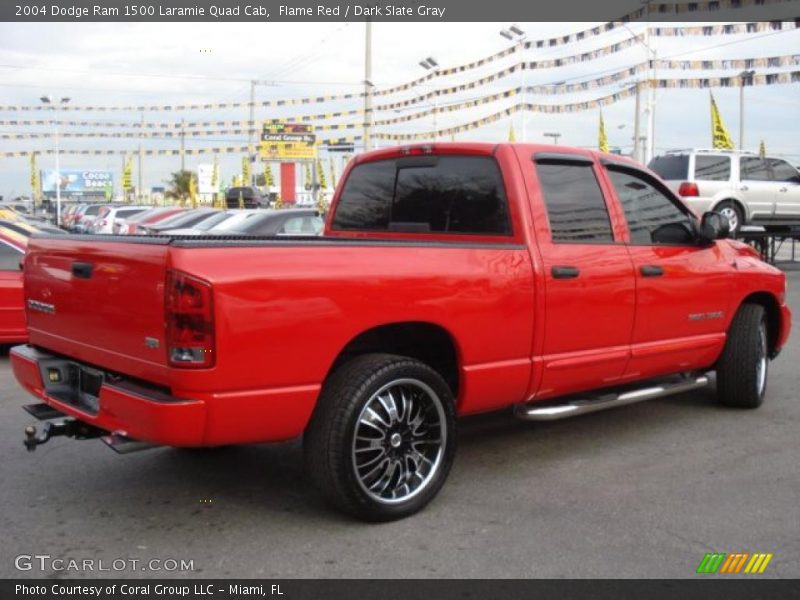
(705, 82)
(245, 127)
(235, 127)
(676, 31)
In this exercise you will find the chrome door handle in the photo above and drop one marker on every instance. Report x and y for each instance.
(783, 189)
(744, 188)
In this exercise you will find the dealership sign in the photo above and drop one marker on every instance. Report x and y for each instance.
(77, 181)
(288, 141)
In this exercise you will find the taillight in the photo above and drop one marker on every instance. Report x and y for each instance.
(687, 189)
(190, 321)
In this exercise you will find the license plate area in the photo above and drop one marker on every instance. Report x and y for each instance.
(73, 383)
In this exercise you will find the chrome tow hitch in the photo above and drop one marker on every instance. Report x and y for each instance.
(68, 427)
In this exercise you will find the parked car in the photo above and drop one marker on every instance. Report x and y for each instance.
(26, 229)
(181, 219)
(13, 328)
(296, 221)
(251, 197)
(136, 224)
(84, 217)
(451, 279)
(744, 187)
(108, 215)
(205, 225)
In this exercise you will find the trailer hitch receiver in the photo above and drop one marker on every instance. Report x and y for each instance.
(68, 427)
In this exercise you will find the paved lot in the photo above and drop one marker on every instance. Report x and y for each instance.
(643, 491)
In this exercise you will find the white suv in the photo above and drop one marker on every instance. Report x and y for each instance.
(743, 186)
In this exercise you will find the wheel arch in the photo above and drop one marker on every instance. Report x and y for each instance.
(773, 313)
(427, 342)
(738, 202)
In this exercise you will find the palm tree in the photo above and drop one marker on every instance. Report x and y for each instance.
(179, 185)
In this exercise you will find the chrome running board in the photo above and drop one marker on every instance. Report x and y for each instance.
(125, 445)
(580, 406)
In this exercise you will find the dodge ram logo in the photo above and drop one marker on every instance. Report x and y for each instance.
(44, 307)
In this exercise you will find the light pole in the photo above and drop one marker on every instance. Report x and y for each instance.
(431, 64)
(55, 106)
(745, 78)
(555, 137)
(515, 33)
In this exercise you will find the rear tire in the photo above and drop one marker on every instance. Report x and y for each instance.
(743, 367)
(730, 210)
(381, 440)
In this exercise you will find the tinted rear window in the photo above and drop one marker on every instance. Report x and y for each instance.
(444, 194)
(712, 168)
(575, 205)
(671, 166)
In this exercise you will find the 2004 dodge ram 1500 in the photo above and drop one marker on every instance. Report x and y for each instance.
(451, 279)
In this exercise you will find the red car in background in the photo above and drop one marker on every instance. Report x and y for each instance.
(12, 303)
(135, 225)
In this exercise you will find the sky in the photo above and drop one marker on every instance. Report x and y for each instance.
(167, 63)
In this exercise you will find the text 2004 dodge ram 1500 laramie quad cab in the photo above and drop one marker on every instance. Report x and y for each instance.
(451, 279)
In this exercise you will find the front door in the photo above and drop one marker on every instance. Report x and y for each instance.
(682, 287)
(588, 278)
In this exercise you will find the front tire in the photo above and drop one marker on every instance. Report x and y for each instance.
(381, 441)
(743, 367)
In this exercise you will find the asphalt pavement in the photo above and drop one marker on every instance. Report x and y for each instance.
(641, 491)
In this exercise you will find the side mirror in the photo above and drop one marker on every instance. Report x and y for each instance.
(714, 226)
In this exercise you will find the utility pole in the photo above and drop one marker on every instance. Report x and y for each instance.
(555, 137)
(368, 87)
(183, 145)
(637, 155)
(251, 128)
(140, 189)
(745, 77)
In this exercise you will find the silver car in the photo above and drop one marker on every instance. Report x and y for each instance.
(745, 187)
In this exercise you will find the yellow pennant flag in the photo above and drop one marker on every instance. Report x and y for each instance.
(193, 190)
(269, 180)
(215, 174)
(511, 136)
(34, 175)
(720, 136)
(602, 143)
(127, 174)
(323, 185)
(762, 150)
(246, 170)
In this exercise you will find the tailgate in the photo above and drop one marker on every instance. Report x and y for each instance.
(100, 301)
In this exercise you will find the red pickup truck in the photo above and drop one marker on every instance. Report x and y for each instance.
(451, 279)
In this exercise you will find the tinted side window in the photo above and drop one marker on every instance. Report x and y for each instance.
(460, 194)
(9, 258)
(575, 206)
(783, 171)
(712, 168)
(444, 194)
(365, 203)
(671, 166)
(653, 218)
(753, 168)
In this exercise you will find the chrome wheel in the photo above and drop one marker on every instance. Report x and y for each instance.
(399, 441)
(761, 364)
(730, 213)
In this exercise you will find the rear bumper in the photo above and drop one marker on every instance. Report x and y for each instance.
(123, 408)
(186, 418)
